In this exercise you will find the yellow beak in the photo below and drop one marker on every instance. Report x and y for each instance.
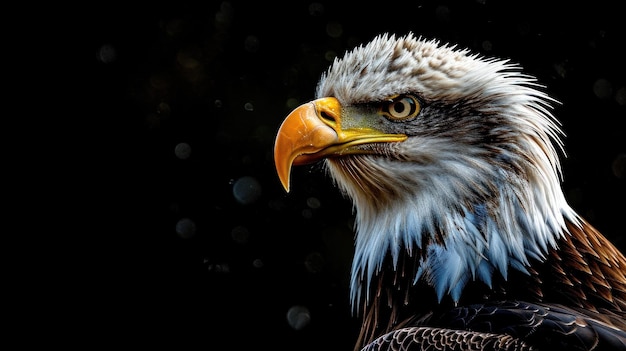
(313, 131)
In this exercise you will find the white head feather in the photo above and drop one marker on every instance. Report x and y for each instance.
(497, 204)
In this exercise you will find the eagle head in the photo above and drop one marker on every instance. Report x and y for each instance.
(446, 155)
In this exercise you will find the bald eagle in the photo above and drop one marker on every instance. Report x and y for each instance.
(464, 239)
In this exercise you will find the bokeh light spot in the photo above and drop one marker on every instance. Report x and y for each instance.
(316, 9)
(307, 213)
(182, 151)
(313, 202)
(257, 263)
(314, 262)
(330, 55)
(252, 43)
(224, 17)
(292, 103)
(334, 29)
(158, 82)
(619, 166)
(163, 109)
(560, 69)
(246, 190)
(219, 268)
(106, 54)
(186, 228)
(298, 317)
(487, 45)
(602, 88)
(248, 106)
(620, 96)
(186, 60)
(240, 234)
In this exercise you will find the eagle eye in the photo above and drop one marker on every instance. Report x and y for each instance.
(400, 108)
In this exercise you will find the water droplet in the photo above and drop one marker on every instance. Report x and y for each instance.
(316, 9)
(246, 190)
(224, 17)
(106, 54)
(292, 103)
(334, 29)
(307, 213)
(187, 60)
(163, 109)
(182, 151)
(314, 262)
(487, 46)
(602, 88)
(240, 234)
(313, 202)
(330, 55)
(186, 228)
(619, 166)
(620, 96)
(298, 317)
(251, 43)
(219, 268)
(560, 69)
(257, 263)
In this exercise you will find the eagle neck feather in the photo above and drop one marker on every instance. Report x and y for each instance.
(464, 221)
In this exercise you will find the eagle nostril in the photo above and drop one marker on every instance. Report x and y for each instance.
(327, 117)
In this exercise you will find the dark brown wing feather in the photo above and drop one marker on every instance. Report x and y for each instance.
(504, 326)
(536, 324)
(441, 339)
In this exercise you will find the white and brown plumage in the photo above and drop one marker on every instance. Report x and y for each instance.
(464, 239)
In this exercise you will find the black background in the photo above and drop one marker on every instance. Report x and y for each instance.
(220, 77)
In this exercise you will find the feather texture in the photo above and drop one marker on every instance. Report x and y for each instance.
(464, 238)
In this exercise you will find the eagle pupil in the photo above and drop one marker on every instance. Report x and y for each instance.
(398, 107)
